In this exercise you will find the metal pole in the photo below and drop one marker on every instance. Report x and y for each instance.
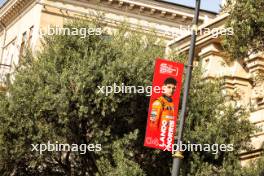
(178, 156)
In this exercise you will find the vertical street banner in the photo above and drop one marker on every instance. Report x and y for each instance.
(163, 106)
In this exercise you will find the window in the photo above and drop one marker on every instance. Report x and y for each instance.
(23, 44)
(9, 52)
(30, 36)
(26, 41)
(7, 60)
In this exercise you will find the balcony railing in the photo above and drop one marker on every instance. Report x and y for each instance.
(4, 71)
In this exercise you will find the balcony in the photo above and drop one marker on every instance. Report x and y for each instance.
(4, 71)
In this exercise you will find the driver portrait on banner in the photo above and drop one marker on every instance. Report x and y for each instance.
(162, 109)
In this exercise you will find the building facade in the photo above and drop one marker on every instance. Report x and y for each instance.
(241, 83)
(22, 20)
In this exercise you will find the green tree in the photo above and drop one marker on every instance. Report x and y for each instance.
(246, 17)
(212, 120)
(255, 167)
(247, 20)
(55, 97)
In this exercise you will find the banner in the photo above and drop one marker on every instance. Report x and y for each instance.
(163, 106)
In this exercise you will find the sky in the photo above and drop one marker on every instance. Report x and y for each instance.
(211, 5)
(1, 2)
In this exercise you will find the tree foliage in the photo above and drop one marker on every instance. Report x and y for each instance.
(255, 167)
(247, 20)
(213, 119)
(55, 98)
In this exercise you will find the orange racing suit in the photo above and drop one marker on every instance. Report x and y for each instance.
(161, 109)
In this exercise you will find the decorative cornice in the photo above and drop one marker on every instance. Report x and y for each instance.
(246, 155)
(112, 23)
(235, 79)
(255, 63)
(12, 9)
(177, 14)
(146, 6)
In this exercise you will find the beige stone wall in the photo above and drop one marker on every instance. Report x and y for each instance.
(166, 30)
(12, 38)
(19, 16)
(240, 77)
(239, 86)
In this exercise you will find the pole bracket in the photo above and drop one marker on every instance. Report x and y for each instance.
(195, 28)
(177, 154)
(186, 65)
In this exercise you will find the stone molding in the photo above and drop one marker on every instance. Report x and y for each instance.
(173, 13)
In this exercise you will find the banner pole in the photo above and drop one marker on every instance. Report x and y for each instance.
(178, 156)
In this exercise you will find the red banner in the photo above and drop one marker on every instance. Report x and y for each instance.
(163, 107)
